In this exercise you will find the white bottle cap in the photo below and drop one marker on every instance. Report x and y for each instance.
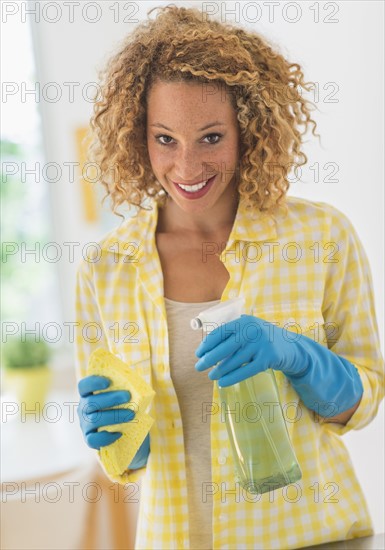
(196, 323)
(220, 313)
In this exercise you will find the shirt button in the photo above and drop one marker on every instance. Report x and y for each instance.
(222, 459)
(232, 294)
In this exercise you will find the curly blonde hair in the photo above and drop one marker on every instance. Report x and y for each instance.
(182, 44)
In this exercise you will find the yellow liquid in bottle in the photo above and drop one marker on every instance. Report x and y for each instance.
(263, 455)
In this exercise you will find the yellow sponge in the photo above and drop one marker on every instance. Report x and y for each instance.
(117, 456)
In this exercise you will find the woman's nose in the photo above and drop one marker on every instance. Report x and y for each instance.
(191, 167)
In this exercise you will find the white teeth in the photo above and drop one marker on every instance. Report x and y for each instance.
(193, 188)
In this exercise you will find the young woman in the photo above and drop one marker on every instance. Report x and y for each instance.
(197, 129)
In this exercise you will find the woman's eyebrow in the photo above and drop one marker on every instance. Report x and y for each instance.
(216, 123)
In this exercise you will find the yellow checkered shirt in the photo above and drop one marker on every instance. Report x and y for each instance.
(307, 271)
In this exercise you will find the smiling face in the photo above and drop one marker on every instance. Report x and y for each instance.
(193, 141)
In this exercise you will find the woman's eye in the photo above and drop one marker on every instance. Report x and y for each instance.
(214, 135)
(163, 137)
(161, 142)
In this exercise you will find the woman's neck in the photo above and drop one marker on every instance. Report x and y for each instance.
(172, 219)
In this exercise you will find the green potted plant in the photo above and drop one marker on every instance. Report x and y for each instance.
(27, 373)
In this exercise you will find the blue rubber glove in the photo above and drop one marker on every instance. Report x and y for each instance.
(92, 416)
(141, 457)
(249, 345)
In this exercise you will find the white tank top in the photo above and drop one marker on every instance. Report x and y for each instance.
(194, 390)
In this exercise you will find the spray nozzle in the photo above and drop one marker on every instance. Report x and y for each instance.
(221, 313)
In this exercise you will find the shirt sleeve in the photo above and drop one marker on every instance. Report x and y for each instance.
(90, 335)
(350, 317)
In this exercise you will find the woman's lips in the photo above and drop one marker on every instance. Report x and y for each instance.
(196, 194)
(188, 184)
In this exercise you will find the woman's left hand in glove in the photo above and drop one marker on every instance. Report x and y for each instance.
(249, 345)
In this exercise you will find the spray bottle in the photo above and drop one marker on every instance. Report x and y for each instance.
(263, 455)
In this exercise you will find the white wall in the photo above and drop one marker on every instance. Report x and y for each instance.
(346, 55)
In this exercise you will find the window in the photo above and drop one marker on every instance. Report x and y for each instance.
(29, 287)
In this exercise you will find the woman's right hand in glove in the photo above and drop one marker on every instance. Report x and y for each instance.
(93, 416)
(92, 413)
